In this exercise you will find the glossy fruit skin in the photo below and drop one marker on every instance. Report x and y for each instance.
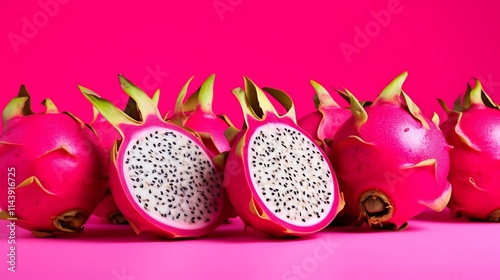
(107, 134)
(323, 123)
(475, 160)
(213, 125)
(396, 140)
(58, 169)
(313, 122)
(196, 113)
(391, 161)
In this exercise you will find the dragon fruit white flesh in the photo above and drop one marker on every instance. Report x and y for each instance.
(279, 180)
(323, 123)
(164, 180)
(57, 168)
(391, 161)
(473, 129)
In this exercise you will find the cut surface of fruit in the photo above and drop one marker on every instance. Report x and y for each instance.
(277, 177)
(172, 178)
(290, 175)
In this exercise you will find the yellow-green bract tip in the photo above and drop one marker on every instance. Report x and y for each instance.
(109, 111)
(145, 104)
(206, 94)
(357, 110)
(475, 93)
(392, 91)
(322, 97)
(13, 109)
(50, 106)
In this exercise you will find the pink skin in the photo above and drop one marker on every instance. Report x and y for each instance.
(324, 123)
(196, 113)
(106, 132)
(107, 209)
(474, 165)
(241, 190)
(401, 142)
(68, 163)
(107, 135)
(139, 219)
(323, 126)
(208, 122)
(383, 155)
(310, 124)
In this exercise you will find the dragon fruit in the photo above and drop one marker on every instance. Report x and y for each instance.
(278, 179)
(197, 114)
(107, 134)
(391, 161)
(59, 174)
(473, 129)
(324, 123)
(163, 179)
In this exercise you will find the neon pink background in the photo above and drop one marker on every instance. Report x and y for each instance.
(281, 44)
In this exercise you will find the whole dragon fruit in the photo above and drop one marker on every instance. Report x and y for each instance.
(57, 176)
(473, 129)
(391, 161)
(324, 123)
(108, 135)
(163, 179)
(197, 114)
(278, 179)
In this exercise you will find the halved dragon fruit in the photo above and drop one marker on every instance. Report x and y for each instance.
(164, 179)
(473, 129)
(323, 123)
(57, 169)
(278, 179)
(197, 114)
(391, 161)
